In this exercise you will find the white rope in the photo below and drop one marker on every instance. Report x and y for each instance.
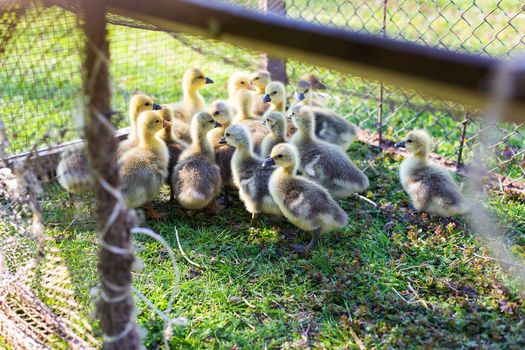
(117, 209)
(182, 250)
(114, 338)
(113, 300)
(165, 316)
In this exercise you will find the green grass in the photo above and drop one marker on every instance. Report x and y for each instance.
(396, 278)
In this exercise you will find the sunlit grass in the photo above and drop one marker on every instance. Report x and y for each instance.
(393, 277)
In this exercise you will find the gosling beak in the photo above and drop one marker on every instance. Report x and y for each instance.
(217, 124)
(267, 98)
(250, 87)
(268, 162)
(400, 144)
(166, 123)
(299, 96)
(156, 107)
(209, 80)
(222, 141)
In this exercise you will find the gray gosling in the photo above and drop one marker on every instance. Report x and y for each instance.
(276, 96)
(248, 173)
(430, 187)
(197, 178)
(323, 162)
(73, 172)
(304, 93)
(175, 146)
(277, 125)
(303, 202)
(329, 126)
(220, 111)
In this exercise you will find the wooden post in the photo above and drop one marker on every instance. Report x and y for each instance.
(115, 307)
(276, 66)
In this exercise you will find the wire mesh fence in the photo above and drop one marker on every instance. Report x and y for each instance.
(41, 78)
(41, 96)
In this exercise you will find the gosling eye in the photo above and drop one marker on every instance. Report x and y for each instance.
(274, 92)
(408, 141)
(279, 156)
(200, 77)
(256, 78)
(147, 104)
(228, 134)
(216, 113)
(211, 121)
(306, 91)
(242, 82)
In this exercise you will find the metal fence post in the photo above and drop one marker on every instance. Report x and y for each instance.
(462, 141)
(276, 66)
(381, 88)
(115, 306)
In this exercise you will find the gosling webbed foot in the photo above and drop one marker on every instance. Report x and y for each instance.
(151, 213)
(255, 216)
(301, 248)
(215, 208)
(172, 195)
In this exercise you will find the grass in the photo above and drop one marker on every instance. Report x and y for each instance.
(392, 277)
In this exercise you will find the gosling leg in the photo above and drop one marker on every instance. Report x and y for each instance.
(227, 196)
(301, 248)
(172, 194)
(151, 213)
(255, 216)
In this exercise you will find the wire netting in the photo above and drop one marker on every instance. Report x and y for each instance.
(40, 74)
(41, 95)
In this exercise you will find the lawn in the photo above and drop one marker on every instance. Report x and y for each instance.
(392, 277)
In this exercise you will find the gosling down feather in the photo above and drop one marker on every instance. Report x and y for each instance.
(303, 202)
(322, 162)
(430, 187)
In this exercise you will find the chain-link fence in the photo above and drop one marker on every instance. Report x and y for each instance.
(41, 50)
(41, 95)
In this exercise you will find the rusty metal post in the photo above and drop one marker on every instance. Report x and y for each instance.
(459, 161)
(381, 88)
(276, 66)
(115, 307)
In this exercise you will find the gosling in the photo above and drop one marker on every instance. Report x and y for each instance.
(430, 187)
(277, 125)
(197, 178)
(303, 202)
(323, 162)
(220, 111)
(248, 174)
